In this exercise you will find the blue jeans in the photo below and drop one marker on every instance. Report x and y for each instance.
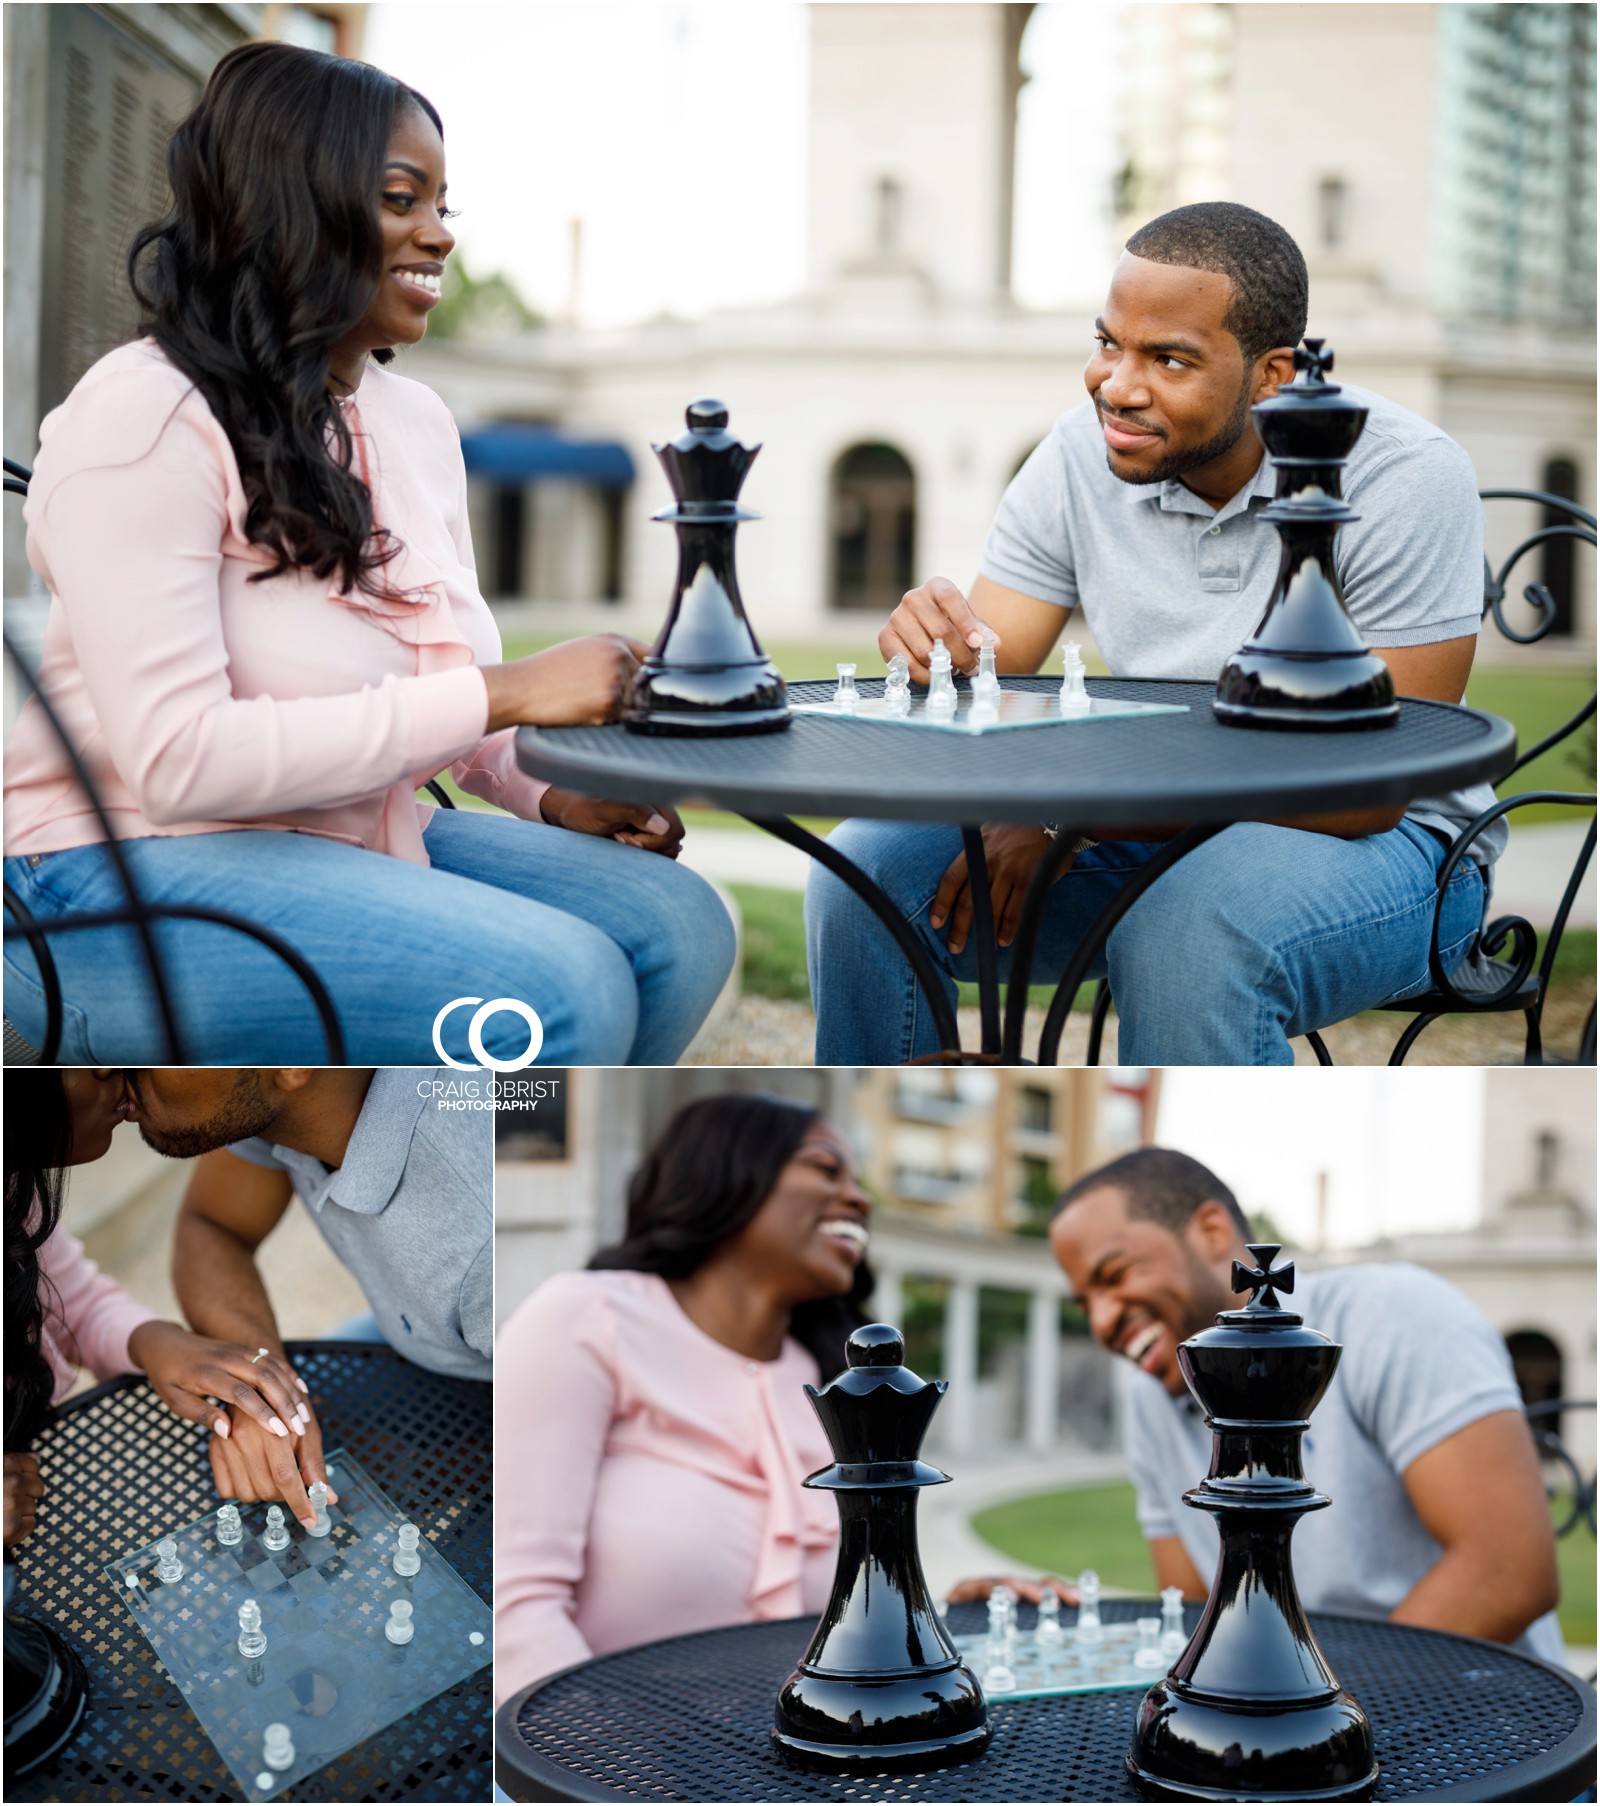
(620, 951)
(1260, 934)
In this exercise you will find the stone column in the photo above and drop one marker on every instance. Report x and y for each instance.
(1044, 1371)
(887, 1303)
(961, 1364)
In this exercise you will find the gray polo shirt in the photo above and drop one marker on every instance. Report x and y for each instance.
(1419, 1364)
(410, 1213)
(1171, 587)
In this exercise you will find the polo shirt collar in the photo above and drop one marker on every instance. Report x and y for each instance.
(1174, 498)
(380, 1145)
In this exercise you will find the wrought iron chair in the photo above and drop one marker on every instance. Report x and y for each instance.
(137, 912)
(1485, 984)
(1565, 1480)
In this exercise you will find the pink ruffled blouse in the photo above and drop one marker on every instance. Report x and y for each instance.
(88, 1318)
(200, 701)
(649, 1479)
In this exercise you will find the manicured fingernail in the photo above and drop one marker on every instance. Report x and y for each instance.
(304, 1415)
(657, 824)
(221, 1426)
(277, 1426)
(302, 1385)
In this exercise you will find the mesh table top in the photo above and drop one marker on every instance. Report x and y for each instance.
(687, 1719)
(1095, 774)
(120, 1469)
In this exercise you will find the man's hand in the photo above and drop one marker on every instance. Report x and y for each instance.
(934, 610)
(981, 1586)
(634, 824)
(1012, 852)
(580, 683)
(252, 1463)
(187, 1371)
(24, 1490)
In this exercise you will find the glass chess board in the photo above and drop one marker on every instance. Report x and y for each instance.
(329, 1673)
(1068, 1667)
(1015, 708)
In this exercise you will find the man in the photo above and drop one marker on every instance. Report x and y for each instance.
(1143, 509)
(1438, 1517)
(401, 1190)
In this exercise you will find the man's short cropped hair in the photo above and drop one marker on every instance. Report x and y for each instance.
(1160, 1185)
(1257, 256)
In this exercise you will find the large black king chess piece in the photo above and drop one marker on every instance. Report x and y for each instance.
(46, 1686)
(880, 1688)
(1251, 1709)
(706, 674)
(1305, 665)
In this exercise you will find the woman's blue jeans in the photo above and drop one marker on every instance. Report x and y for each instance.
(621, 952)
(1260, 934)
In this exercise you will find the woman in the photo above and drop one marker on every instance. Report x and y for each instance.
(62, 1313)
(265, 632)
(650, 1423)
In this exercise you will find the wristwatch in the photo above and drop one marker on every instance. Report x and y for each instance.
(1081, 845)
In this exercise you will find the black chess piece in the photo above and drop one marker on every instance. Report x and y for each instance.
(46, 1687)
(706, 674)
(880, 1688)
(1251, 1710)
(1305, 665)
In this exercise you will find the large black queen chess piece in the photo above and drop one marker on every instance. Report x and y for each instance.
(880, 1688)
(1251, 1709)
(1305, 665)
(706, 674)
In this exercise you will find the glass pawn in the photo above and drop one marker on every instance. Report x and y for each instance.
(998, 1676)
(1148, 1654)
(1047, 1627)
(1174, 1638)
(987, 681)
(847, 696)
(317, 1493)
(168, 1567)
(897, 686)
(1074, 697)
(399, 1629)
(277, 1747)
(252, 1642)
(276, 1534)
(1089, 1625)
(407, 1560)
(941, 685)
(230, 1529)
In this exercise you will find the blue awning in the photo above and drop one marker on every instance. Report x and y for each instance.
(519, 451)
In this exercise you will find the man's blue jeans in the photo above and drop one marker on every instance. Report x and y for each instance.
(1260, 934)
(621, 952)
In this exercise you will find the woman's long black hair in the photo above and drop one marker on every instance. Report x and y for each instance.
(38, 1143)
(270, 253)
(706, 1175)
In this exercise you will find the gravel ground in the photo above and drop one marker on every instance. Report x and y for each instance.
(764, 1032)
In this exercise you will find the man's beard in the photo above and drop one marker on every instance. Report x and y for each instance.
(1218, 445)
(246, 1111)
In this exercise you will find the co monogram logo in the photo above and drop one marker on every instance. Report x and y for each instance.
(475, 1033)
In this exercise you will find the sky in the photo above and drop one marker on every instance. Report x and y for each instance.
(1402, 1147)
(677, 133)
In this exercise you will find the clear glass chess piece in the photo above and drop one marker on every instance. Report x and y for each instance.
(1074, 696)
(998, 1675)
(1148, 1654)
(941, 685)
(229, 1528)
(847, 696)
(317, 1493)
(407, 1560)
(276, 1534)
(277, 1747)
(1174, 1638)
(252, 1642)
(168, 1567)
(399, 1629)
(986, 682)
(1090, 1628)
(1047, 1627)
(897, 686)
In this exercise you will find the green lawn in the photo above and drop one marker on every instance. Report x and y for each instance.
(1094, 1527)
(1538, 702)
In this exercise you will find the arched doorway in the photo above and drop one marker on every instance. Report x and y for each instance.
(873, 520)
(1536, 1362)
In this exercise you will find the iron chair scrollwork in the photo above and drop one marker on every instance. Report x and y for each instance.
(137, 912)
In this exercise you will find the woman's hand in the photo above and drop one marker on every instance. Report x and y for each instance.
(253, 1464)
(581, 683)
(24, 1490)
(634, 824)
(188, 1370)
(981, 1586)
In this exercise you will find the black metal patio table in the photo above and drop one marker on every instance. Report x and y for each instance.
(688, 1719)
(1124, 772)
(119, 1468)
